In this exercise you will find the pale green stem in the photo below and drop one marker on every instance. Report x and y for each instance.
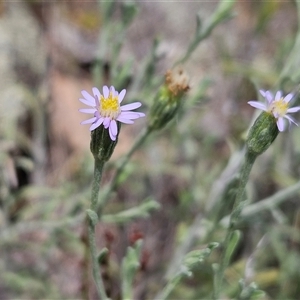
(169, 287)
(234, 217)
(98, 169)
(220, 15)
(120, 168)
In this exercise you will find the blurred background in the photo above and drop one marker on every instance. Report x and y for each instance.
(48, 54)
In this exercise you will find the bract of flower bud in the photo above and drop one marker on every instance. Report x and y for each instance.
(169, 99)
(102, 146)
(262, 134)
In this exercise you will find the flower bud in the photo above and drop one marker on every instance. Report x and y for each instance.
(168, 99)
(262, 134)
(102, 146)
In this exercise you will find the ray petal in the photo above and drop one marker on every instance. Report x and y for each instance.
(89, 121)
(280, 124)
(131, 115)
(131, 106)
(269, 97)
(258, 105)
(278, 95)
(124, 120)
(113, 127)
(88, 110)
(293, 109)
(106, 122)
(88, 97)
(105, 91)
(288, 98)
(96, 124)
(121, 95)
(263, 93)
(87, 102)
(96, 92)
(291, 119)
(113, 91)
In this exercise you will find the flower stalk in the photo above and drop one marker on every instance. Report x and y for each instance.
(236, 212)
(92, 220)
(222, 14)
(107, 113)
(261, 135)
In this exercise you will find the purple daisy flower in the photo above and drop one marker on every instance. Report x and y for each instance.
(107, 110)
(278, 107)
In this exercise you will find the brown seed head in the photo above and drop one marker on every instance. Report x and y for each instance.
(177, 81)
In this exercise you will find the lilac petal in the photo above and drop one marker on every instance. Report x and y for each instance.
(124, 120)
(122, 95)
(97, 101)
(102, 119)
(113, 129)
(131, 106)
(105, 91)
(130, 115)
(258, 105)
(269, 97)
(96, 93)
(291, 119)
(88, 110)
(113, 91)
(293, 109)
(112, 137)
(87, 102)
(88, 97)
(288, 98)
(96, 124)
(89, 121)
(280, 124)
(263, 93)
(278, 95)
(106, 122)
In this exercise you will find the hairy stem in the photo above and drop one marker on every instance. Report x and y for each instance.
(234, 217)
(98, 169)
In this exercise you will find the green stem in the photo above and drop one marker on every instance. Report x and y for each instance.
(234, 217)
(98, 169)
(169, 287)
(120, 168)
(222, 13)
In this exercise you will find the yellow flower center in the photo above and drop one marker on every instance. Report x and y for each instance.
(279, 107)
(109, 107)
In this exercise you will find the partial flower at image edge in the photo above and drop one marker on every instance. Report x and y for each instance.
(278, 106)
